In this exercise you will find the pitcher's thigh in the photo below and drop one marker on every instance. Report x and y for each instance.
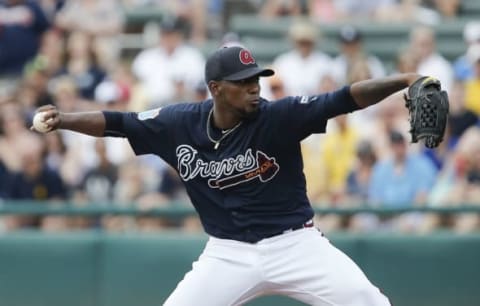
(323, 275)
(214, 282)
(350, 286)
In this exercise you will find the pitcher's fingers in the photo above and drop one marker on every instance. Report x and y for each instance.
(45, 108)
(50, 114)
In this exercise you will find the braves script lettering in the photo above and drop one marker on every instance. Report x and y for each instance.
(226, 172)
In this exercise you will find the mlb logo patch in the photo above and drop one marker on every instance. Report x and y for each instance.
(149, 114)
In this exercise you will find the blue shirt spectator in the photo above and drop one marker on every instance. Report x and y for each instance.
(463, 68)
(47, 185)
(402, 180)
(22, 24)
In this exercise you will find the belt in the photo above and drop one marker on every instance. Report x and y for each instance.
(307, 224)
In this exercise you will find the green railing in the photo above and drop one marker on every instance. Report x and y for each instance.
(182, 209)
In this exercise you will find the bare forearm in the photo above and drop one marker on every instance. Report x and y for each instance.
(369, 92)
(90, 123)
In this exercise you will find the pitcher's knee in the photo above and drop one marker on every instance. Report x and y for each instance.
(368, 296)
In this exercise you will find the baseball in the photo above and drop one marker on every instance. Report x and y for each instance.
(39, 123)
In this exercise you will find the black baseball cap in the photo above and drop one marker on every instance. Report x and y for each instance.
(233, 64)
(171, 24)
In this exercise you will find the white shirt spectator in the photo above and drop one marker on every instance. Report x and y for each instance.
(351, 53)
(423, 43)
(302, 76)
(437, 66)
(160, 72)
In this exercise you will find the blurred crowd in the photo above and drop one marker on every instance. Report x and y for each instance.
(69, 54)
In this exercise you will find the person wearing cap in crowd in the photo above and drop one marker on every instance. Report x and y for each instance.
(403, 179)
(472, 85)
(352, 51)
(430, 61)
(302, 68)
(239, 157)
(392, 184)
(170, 71)
(462, 66)
(358, 179)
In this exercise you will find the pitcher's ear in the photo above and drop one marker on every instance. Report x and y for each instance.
(214, 87)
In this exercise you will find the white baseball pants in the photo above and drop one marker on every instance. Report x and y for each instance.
(301, 264)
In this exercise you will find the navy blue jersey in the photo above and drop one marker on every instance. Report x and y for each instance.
(253, 185)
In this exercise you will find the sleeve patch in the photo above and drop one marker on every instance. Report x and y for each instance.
(307, 99)
(149, 114)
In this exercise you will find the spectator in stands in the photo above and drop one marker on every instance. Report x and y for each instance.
(358, 180)
(458, 184)
(358, 70)
(419, 11)
(115, 92)
(22, 24)
(102, 20)
(312, 148)
(230, 39)
(430, 62)
(170, 71)
(302, 68)
(338, 158)
(459, 118)
(128, 189)
(81, 64)
(98, 183)
(462, 66)
(274, 8)
(66, 95)
(200, 92)
(406, 61)
(52, 7)
(195, 14)
(323, 11)
(15, 136)
(35, 181)
(403, 179)
(276, 88)
(80, 150)
(360, 9)
(472, 86)
(351, 51)
(33, 91)
(49, 58)
(55, 151)
(448, 9)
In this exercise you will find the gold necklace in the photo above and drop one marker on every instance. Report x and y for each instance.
(224, 132)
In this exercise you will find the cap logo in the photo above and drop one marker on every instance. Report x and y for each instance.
(246, 57)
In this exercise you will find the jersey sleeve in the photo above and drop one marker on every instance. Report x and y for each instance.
(305, 115)
(148, 132)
